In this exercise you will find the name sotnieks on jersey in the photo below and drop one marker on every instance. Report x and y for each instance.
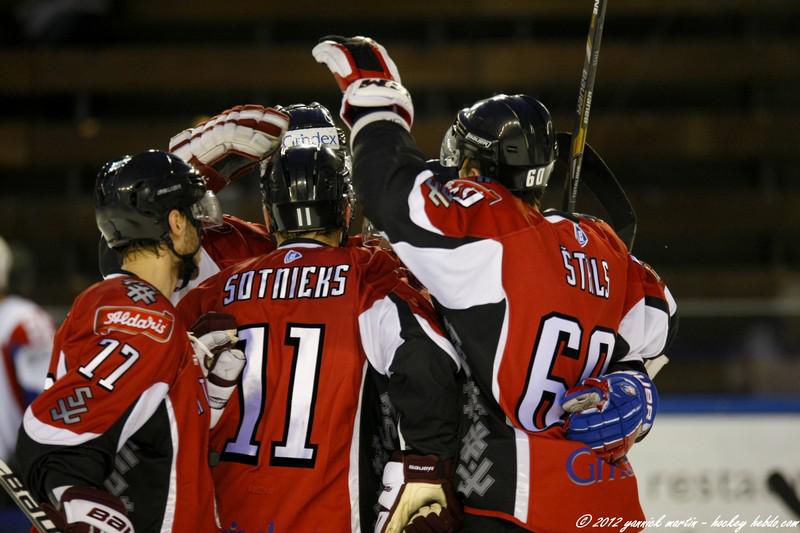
(309, 281)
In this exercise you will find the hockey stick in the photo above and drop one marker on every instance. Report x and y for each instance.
(584, 104)
(777, 483)
(23, 499)
(604, 185)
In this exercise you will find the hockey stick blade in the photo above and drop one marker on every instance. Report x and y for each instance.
(604, 185)
(23, 499)
(777, 484)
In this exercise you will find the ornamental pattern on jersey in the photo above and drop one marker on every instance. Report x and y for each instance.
(138, 291)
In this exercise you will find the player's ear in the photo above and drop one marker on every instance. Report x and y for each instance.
(177, 222)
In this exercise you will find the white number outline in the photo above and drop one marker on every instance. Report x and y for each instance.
(539, 408)
(295, 448)
(127, 351)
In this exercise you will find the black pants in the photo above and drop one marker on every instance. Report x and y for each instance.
(486, 524)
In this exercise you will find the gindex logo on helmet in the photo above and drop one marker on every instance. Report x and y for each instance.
(311, 137)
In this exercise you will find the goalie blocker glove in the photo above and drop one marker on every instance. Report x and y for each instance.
(88, 510)
(417, 496)
(609, 414)
(369, 80)
(214, 340)
(231, 144)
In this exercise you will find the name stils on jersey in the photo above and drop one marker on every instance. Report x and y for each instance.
(584, 272)
(309, 281)
(552, 298)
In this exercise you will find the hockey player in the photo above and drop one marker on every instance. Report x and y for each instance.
(118, 441)
(334, 338)
(551, 312)
(228, 146)
(26, 339)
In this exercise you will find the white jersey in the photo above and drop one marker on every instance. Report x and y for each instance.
(26, 339)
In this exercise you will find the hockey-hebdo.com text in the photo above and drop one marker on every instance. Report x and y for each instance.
(735, 523)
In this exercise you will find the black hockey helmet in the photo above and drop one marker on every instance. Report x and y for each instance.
(308, 189)
(312, 124)
(511, 137)
(135, 194)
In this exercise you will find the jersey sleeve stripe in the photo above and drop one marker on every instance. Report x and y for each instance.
(645, 329)
(352, 473)
(144, 408)
(440, 341)
(416, 204)
(172, 491)
(379, 327)
(47, 434)
(522, 495)
(477, 281)
(658, 303)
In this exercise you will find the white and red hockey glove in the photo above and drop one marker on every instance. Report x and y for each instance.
(214, 339)
(89, 510)
(231, 144)
(610, 413)
(369, 80)
(418, 496)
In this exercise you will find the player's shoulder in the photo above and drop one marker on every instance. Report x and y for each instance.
(477, 191)
(604, 230)
(472, 206)
(125, 288)
(126, 304)
(232, 223)
(235, 240)
(585, 229)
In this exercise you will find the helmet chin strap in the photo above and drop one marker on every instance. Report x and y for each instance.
(188, 269)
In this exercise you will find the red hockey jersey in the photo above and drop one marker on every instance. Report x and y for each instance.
(124, 410)
(536, 302)
(325, 328)
(225, 245)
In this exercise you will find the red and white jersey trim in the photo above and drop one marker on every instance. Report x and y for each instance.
(172, 492)
(47, 434)
(416, 204)
(522, 496)
(352, 473)
(145, 406)
(479, 282)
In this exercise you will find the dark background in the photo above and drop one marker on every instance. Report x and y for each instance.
(695, 109)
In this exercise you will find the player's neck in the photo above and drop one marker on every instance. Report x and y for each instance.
(160, 270)
(331, 238)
